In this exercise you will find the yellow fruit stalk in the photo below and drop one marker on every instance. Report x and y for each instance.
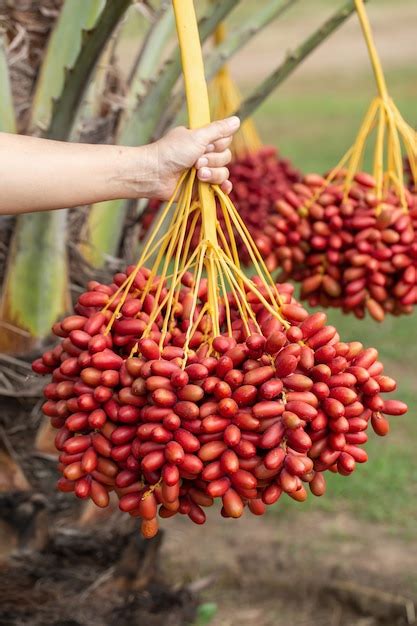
(394, 138)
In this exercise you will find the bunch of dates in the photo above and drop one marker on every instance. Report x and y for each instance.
(358, 254)
(260, 180)
(260, 411)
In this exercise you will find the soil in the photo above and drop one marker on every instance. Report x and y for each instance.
(78, 579)
(292, 569)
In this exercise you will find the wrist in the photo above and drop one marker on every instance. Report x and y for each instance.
(135, 172)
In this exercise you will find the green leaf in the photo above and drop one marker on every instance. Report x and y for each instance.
(103, 231)
(293, 59)
(92, 102)
(63, 48)
(151, 53)
(206, 613)
(35, 292)
(77, 75)
(7, 114)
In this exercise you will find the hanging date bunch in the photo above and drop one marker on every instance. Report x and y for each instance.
(184, 382)
(362, 246)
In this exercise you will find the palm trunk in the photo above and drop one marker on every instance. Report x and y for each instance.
(27, 24)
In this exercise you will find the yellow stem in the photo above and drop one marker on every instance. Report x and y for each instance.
(176, 280)
(226, 300)
(175, 244)
(194, 327)
(254, 253)
(197, 280)
(179, 248)
(375, 60)
(251, 286)
(238, 294)
(379, 158)
(199, 115)
(220, 34)
(186, 192)
(213, 288)
(185, 261)
(360, 143)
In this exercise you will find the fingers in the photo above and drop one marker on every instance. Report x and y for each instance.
(226, 187)
(220, 145)
(215, 176)
(215, 159)
(221, 129)
(208, 147)
(211, 166)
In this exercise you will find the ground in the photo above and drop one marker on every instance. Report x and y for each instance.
(283, 569)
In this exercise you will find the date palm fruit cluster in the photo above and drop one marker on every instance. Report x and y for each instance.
(356, 232)
(244, 420)
(184, 382)
(355, 251)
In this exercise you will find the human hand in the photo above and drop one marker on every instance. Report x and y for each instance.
(206, 148)
(41, 175)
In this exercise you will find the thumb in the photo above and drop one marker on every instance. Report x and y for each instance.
(217, 130)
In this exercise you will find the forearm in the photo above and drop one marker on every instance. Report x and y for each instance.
(38, 174)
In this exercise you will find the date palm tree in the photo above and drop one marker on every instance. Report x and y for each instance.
(58, 80)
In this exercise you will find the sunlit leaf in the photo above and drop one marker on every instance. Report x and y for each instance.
(35, 292)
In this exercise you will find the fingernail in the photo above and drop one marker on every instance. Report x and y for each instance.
(204, 172)
(210, 147)
(202, 161)
(234, 121)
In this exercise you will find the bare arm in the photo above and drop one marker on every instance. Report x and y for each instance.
(39, 174)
